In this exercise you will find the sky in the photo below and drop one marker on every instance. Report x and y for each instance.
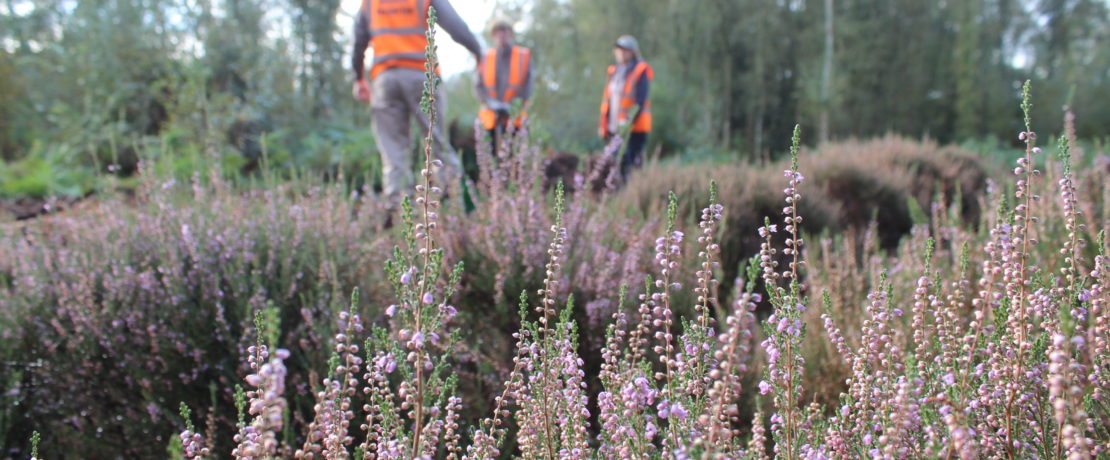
(453, 58)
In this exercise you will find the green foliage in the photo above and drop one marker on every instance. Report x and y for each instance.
(735, 74)
(45, 172)
(35, 438)
(84, 90)
(92, 86)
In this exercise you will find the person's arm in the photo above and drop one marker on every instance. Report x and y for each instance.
(526, 91)
(481, 92)
(362, 41)
(643, 87)
(456, 28)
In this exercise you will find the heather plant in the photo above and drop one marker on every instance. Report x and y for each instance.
(35, 439)
(987, 340)
(993, 372)
(851, 185)
(136, 304)
(191, 442)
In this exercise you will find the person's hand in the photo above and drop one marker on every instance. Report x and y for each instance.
(361, 90)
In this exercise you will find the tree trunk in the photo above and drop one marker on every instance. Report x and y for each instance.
(826, 75)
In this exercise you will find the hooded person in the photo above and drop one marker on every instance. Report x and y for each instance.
(625, 103)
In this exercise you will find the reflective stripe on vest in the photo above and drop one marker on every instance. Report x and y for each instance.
(397, 33)
(520, 60)
(642, 124)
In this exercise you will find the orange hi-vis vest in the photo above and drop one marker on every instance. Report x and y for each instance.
(642, 123)
(519, 62)
(397, 30)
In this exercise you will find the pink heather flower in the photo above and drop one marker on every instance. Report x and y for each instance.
(664, 408)
(765, 388)
(650, 430)
(678, 411)
(386, 363)
(391, 310)
(764, 231)
(406, 277)
(949, 379)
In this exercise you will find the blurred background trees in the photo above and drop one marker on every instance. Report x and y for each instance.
(85, 85)
(737, 74)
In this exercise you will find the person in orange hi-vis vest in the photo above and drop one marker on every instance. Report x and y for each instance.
(625, 103)
(395, 29)
(504, 76)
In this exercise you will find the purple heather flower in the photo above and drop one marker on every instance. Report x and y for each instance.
(664, 408)
(429, 298)
(949, 379)
(764, 231)
(386, 363)
(391, 310)
(678, 411)
(254, 380)
(765, 387)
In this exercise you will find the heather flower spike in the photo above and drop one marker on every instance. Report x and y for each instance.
(192, 442)
(784, 328)
(410, 410)
(35, 438)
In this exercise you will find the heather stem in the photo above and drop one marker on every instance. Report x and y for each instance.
(1025, 192)
(426, 203)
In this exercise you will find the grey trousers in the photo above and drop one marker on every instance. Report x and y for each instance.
(395, 99)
